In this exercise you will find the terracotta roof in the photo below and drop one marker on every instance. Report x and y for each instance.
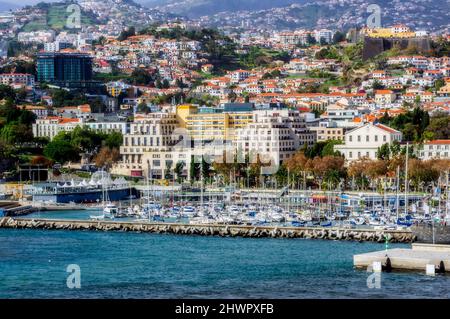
(386, 128)
(439, 142)
(384, 92)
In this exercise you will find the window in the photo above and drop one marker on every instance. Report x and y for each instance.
(359, 138)
(376, 138)
(384, 138)
(367, 138)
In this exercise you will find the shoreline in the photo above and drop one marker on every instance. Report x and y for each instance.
(331, 233)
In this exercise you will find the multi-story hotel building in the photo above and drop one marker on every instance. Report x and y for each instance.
(214, 124)
(151, 133)
(274, 134)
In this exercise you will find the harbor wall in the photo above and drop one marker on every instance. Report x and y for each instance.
(393, 236)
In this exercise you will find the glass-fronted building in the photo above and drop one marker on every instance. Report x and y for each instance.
(65, 69)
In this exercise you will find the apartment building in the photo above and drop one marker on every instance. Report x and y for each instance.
(16, 80)
(274, 134)
(151, 133)
(326, 133)
(214, 123)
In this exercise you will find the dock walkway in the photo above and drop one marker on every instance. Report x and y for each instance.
(416, 258)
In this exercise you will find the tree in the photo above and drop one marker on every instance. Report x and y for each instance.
(376, 85)
(41, 160)
(439, 84)
(179, 171)
(14, 133)
(106, 157)
(143, 108)
(357, 170)
(7, 92)
(310, 39)
(114, 140)
(329, 168)
(62, 97)
(125, 34)
(421, 172)
(140, 77)
(86, 140)
(439, 127)
(194, 169)
(167, 174)
(339, 37)
(61, 151)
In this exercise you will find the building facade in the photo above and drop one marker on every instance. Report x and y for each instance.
(437, 149)
(149, 134)
(365, 140)
(274, 135)
(65, 69)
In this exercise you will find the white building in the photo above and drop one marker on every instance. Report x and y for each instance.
(148, 134)
(435, 149)
(36, 36)
(56, 46)
(365, 140)
(17, 79)
(239, 75)
(326, 35)
(49, 127)
(274, 135)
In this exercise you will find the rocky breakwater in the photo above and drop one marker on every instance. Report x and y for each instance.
(393, 236)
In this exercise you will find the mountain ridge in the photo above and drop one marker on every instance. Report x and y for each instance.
(280, 14)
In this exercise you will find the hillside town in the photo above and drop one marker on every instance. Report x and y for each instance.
(171, 93)
(201, 149)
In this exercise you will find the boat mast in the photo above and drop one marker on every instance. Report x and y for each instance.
(447, 203)
(406, 178)
(397, 204)
(287, 190)
(201, 186)
(148, 187)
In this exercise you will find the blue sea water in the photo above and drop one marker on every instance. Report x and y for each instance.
(140, 265)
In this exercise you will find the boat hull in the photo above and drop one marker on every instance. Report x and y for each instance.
(85, 197)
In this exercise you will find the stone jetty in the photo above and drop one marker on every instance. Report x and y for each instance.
(416, 259)
(393, 236)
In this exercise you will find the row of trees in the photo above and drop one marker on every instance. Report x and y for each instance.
(68, 146)
(417, 125)
(319, 166)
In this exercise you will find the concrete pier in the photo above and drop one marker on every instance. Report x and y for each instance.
(415, 259)
(395, 236)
